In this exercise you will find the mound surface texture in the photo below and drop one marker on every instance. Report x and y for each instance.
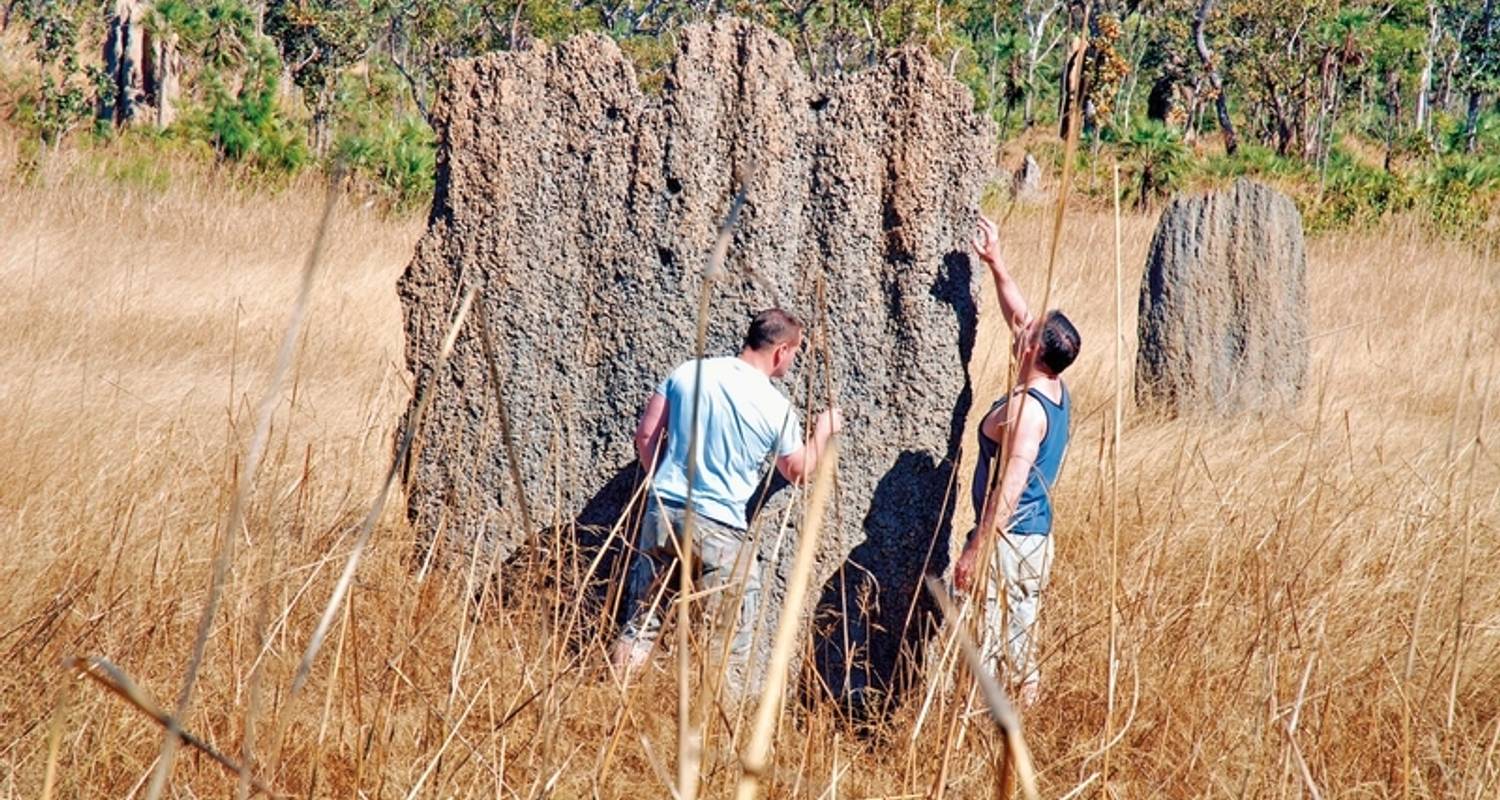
(1223, 308)
(584, 211)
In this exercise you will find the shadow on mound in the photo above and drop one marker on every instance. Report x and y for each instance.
(580, 561)
(873, 618)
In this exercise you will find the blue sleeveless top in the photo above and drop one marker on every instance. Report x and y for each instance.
(1033, 514)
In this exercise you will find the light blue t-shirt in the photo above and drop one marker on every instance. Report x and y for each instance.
(743, 419)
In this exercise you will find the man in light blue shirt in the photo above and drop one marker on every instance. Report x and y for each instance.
(743, 422)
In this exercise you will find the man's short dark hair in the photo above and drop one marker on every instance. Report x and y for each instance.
(1060, 342)
(770, 328)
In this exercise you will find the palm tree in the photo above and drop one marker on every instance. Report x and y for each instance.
(1159, 155)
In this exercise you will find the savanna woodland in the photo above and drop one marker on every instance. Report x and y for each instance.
(1297, 604)
(1366, 108)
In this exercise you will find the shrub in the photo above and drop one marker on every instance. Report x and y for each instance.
(398, 156)
(59, 100)
(382, 142)
(1354, 193)
(1159, 160)
(1461, 194)
(249, 128)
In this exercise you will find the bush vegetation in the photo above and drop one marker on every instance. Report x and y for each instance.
(1360, 110)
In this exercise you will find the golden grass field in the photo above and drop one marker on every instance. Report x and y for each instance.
(1309, 600)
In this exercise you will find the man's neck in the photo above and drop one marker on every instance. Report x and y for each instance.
(760, 361)
(1037, 375)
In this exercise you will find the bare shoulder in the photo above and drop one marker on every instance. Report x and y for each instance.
(1031, 415)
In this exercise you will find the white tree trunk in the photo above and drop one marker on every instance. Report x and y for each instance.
(1424, 84)
(167, 80)
(1035, 16)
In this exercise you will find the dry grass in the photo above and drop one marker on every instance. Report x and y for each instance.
(1309, 600)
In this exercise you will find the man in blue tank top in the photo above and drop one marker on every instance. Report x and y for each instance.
(1013, 503)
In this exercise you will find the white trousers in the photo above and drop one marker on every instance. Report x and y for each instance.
(1022, 565)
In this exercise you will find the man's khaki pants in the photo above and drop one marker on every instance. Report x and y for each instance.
(724, 565)
(1020, 569)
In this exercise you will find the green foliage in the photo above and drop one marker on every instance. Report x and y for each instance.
(317, 39)
(1354, 194)
(1298, 78)
(61, 97)
(422, 37)
(249, 128)
(394, 152)
(239, 76)
(220, 34)
(1454, 133)
(1461, 195)
(1252, 161)
(1479, 30)
(1157, 158)
(398, 156)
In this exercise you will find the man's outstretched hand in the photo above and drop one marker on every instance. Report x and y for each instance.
(987, 240)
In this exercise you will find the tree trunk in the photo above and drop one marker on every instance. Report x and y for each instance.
(1471, 125)
(1028, 118)
(1424, 84)
(1304, 116)
(1333, 93)
(1312, 145)
(1285, 133)
(1127, 94)
(1193, 112)
(1445, 100)
(1333, 114)
(1221, 104)
(1076, 60)
(1392, 112)
(1034, 21)
(1161, 99)
(166, 79)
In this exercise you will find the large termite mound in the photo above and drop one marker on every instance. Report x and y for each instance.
(584, 209)
(1223, 308)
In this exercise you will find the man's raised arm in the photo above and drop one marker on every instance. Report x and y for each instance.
(1012, 302)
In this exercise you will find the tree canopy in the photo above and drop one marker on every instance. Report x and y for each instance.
(1389, 84)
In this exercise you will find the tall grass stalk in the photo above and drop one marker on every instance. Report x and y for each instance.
(689, 728)
(758, 751)
(1114, 490)
(989, 540)
(1016, 756)
(118, 683)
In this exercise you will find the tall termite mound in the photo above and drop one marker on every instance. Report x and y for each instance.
(583, 210)
(1223, 308)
